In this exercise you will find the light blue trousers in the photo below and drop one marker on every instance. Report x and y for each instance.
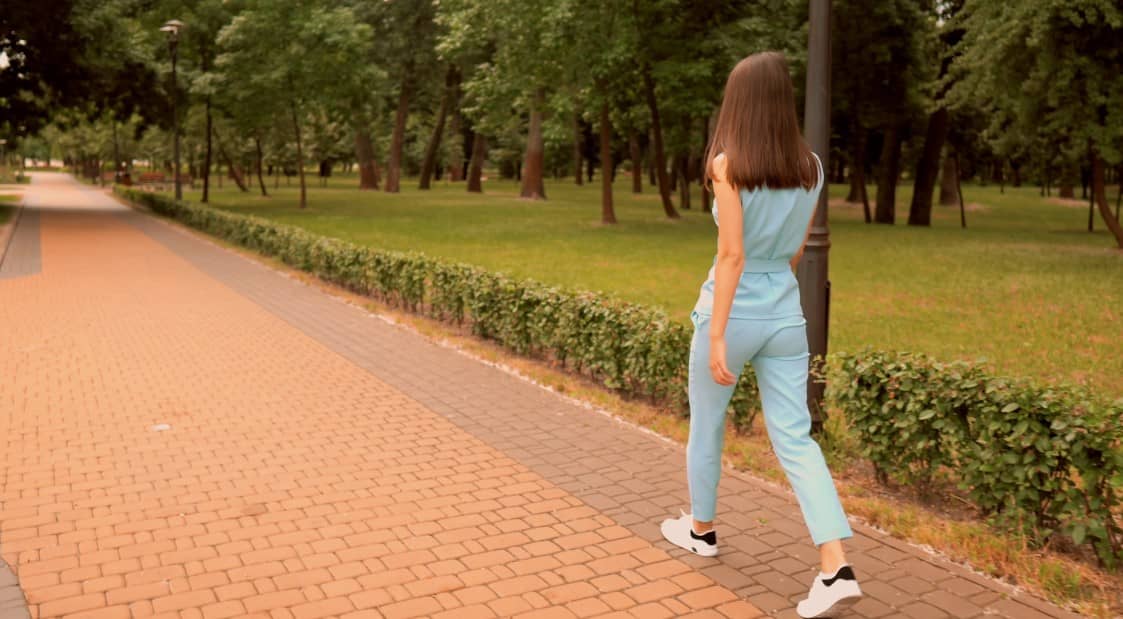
(777, 349)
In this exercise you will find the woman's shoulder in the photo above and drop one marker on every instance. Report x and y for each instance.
(719, 168)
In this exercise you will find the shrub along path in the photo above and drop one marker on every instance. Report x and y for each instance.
(187, 431)
(1025, 286)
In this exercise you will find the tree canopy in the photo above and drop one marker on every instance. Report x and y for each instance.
(972, 88)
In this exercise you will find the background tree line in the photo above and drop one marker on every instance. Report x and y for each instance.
(927, 92)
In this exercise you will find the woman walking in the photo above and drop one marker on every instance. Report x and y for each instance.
(766, 184)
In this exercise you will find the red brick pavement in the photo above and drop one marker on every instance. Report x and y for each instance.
(319, 463)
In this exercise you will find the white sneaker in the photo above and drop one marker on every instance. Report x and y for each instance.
(831, 594)
(680, 532)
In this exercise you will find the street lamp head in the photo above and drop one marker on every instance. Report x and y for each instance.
(172, 27)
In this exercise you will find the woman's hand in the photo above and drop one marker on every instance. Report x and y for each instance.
(718, 368)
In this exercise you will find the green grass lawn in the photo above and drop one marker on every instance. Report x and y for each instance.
(7, 207)
(1025, 286)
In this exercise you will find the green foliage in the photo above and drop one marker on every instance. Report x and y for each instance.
(321, 68)
(878, 62)
(79, 54)
(633, 350)
(1040, 460)
(1049, 70)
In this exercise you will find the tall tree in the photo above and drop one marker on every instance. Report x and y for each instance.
(523, 42)
(928, 166)
(1049, 67)
(403, 38)
(67, 55)
(429, 162)
(292, 80)
(878, 66)
(684, 51)
(657, 141)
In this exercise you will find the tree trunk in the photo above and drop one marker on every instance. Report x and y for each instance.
(430, 160)
(886, 209)
(1067, 189)
(702, 164)
(577, 149)
(1091, 214)
(116, 155)
(686, 174)
(637, 162)
(235, 173)
(608, 213)
(260, 157)
(1016, 172)
(533, 183)
(858, 161)
(299, 156)
(207, 156)
(865, 198)
(959, 194)
(476, 164)
(948, 180)
(855, 194)
(684, 185)
(456, 154)
(364, 153)
(1119, 192)
(657, 135)
(860, 170)
(394, 165)
(920, 211)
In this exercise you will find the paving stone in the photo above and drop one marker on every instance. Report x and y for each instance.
(921, 610)
(955, 606)
(290, 409)
(272, 444)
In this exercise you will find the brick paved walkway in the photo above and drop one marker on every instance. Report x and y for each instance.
(187, 433)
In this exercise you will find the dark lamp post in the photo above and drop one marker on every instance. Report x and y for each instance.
(814, 285)
(172, 27)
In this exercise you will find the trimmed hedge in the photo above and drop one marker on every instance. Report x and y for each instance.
(1035, 459)
(633, 350)
(1038, 460)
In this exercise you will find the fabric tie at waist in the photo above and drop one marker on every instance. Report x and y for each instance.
(767, 266)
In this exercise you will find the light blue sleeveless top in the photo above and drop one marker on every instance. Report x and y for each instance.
(775, 224)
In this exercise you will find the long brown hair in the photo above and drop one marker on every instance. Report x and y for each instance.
(758, 131)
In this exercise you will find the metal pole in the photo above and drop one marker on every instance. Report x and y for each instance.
(812, 272)
(175, 122)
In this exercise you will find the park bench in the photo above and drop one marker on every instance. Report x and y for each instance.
(161, 181)
(152, 180)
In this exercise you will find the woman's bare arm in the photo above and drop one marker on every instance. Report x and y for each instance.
(727, 270)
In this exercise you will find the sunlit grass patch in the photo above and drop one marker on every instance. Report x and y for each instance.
(1025, 286)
